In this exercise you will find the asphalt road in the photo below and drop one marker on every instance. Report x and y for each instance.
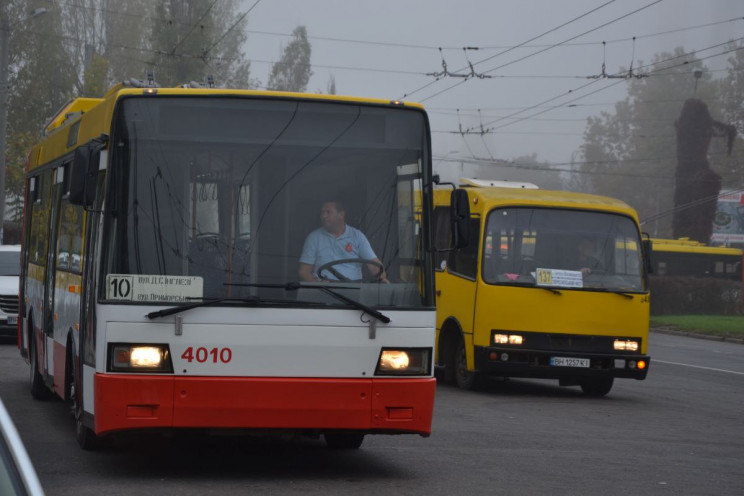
(681, 431)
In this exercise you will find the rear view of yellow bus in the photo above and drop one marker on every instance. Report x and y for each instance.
(540, 284)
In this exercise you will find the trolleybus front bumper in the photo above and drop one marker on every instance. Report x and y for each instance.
(399, 405)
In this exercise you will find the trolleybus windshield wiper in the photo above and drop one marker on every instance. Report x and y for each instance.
(294, 286)
(212, 301)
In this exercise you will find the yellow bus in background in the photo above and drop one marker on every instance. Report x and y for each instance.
(687, 258)
(540, 284)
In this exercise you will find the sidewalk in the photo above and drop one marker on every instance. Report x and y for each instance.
(666, 329)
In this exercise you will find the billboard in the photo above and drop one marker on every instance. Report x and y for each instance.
(728, 224)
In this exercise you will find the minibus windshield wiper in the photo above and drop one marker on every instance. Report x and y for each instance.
(212, 301)
(613, 291)
(294, 286)
(531, 285)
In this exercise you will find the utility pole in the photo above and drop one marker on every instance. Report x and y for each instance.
(4, 85)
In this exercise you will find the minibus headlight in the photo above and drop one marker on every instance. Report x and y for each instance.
(139, 358)
(515, 339)
(626, 345)
(404, 361)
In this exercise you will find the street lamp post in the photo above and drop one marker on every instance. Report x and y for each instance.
(4, 84)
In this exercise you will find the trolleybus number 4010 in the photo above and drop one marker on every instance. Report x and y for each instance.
(569, 362)
(203, 355)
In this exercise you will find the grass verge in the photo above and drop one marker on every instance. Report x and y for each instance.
(725, 326)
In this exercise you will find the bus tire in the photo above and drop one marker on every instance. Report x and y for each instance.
(465, 379)
(39, 390)
(597, 386)
(447, 349)
(85, 437)
(344, 440)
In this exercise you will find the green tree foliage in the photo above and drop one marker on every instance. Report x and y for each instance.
(191, 39)
(292, 72)
(94, 78)
(82, 47)
(18, 148)
(40, 76)
(732, 97)
(631, 153)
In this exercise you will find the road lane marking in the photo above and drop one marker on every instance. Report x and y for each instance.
(700, 367)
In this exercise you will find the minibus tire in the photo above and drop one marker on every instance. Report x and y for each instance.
(597, 386)
(465, 379)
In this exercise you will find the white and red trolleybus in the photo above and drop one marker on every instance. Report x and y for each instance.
(162, 233)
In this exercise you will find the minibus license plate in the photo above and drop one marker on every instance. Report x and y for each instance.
(569, 362)
(12, 320)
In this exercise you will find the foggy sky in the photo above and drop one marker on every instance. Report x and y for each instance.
(384, 67)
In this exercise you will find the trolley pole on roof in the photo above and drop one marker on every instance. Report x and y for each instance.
(4, 85)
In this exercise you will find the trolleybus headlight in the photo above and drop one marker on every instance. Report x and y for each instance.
(404, 361)
(626, 345)
(139, 358)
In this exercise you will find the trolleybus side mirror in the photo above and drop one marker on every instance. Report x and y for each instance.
(646, 247)
(460, 211)
(83, 176)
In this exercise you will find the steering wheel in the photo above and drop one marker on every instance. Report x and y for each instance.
(329, 267)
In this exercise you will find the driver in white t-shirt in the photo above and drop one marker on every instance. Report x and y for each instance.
(335, 240)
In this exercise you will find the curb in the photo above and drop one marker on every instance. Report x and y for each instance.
(678, 332)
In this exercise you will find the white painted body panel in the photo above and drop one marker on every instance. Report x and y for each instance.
(269, 342)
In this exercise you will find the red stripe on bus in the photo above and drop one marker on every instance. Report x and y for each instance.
(131, 402)
(59, 355)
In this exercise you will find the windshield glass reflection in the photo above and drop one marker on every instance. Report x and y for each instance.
(562, 248)
(223, 198)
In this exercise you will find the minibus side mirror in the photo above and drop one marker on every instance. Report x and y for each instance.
(460, 217)
(646, 248)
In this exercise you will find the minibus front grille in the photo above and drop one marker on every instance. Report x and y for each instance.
(556, 342)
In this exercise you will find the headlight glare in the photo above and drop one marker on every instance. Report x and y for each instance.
(404, 361)
(626, 345)
(139, 358)
(513, 339)
(394, 360)
(146, 356)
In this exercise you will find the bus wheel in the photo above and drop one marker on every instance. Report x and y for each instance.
(597, 386)
(465, 379)
(85, 437)
(39, 391)
(344, 440)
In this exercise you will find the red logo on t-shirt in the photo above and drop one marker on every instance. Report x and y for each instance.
(349, 247)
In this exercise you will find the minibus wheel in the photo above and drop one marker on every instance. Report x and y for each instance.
(465, 378)
(597, 386)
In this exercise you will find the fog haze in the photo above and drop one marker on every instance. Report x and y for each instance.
(384, 49)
